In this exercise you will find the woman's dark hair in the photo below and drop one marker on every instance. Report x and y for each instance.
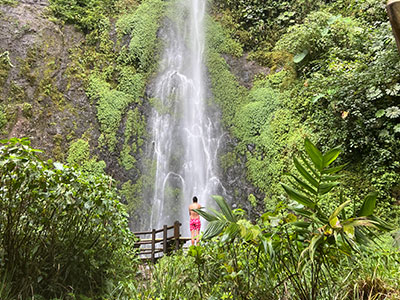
(195, 199)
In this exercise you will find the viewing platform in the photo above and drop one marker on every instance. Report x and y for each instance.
(156, 243)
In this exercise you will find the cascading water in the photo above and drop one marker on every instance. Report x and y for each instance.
(186, 131)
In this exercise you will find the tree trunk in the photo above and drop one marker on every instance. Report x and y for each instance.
(393, 11)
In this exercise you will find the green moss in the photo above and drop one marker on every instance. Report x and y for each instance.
(133, 193)
(16, 93)
(111, 105)
(227, 92)
(27, 65)
(219, 41)
(135, 129)
(79, 155)
(132, 83)
(87, 15)
(3, 117)
(228, 160)
(142, 26)
(5, 66)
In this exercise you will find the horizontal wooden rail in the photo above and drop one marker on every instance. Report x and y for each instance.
(150, 232)
(169, 243)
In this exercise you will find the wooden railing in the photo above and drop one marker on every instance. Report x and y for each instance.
(168, 243)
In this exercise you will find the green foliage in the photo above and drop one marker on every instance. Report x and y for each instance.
(227, 92)
(268, 129)
(218, 39)
(302, 251)
(3, 117)
(60, 229)
(320, 32)
(345, 91)
(79, 156)
(135, 130)
(5, 66)
(261, 22)
(142, 26)
(131, 82)
(111, 105)
(87, 15)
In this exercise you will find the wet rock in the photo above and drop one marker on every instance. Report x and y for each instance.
(39, 51)
(244, 69)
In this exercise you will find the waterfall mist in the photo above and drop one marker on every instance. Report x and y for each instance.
(186, 133)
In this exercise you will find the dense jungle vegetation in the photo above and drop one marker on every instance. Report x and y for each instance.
(317, 135)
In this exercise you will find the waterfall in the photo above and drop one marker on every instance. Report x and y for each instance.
(185, 127)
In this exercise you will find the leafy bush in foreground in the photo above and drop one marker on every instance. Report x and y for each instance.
(61, 231)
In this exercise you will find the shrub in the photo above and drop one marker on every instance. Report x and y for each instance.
(61, 230)
(87, 15)
(79, 155)
(142, 26)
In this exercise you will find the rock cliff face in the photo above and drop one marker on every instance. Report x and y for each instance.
(42, 92)
(40, 97)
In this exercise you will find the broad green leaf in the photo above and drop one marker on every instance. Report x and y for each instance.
(314, 154)
(334, 169)
(333, 222)
(303, 212)
(359, 221)
(349, 229)
(380, 113)
(308, 165)
(368, 205)
(209, 217)
(326, 187)
(305, 185)
(331, 178)
(226, 210)
(214, 228)
(331, 156)
(315, 242)
(339, 209)
(382, 225)
(232, 230)
(295, 195)
(305, 173)
(300, 224)
(300, 56)
(218, 215)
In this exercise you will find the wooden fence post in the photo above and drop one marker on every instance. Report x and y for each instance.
(153, 246)
(165, 236)
(176, 234)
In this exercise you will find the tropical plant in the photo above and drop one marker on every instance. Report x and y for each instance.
(302, 243)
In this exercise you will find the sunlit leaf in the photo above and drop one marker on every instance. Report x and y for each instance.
(295, 195)
(213, 229)
(305, 173)
(209, 217)
(368, 205)
(331, 156)
(300, 56)
(314, 154)
(226, 210)
(326, 187)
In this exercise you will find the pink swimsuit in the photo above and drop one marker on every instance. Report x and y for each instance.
(195, 224)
